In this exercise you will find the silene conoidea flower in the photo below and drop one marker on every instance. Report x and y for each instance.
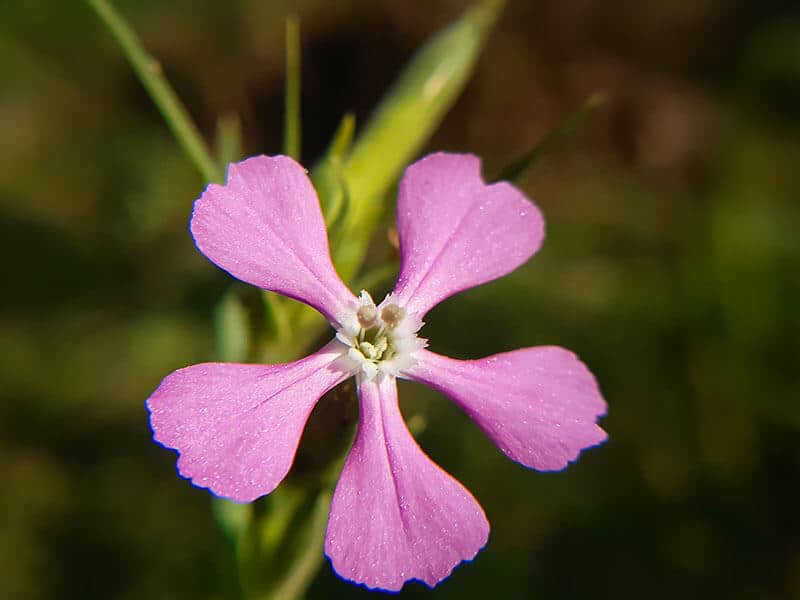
(395, 515)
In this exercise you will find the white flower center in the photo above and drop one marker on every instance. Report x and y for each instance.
(381, 339)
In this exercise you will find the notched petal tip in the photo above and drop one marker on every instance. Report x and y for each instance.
(396, 516)
(265, 227)
(594, 438)
(236, 427)
(398, 587)
(540, 406)
(456, 231)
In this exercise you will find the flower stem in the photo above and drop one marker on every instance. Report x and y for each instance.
(292, 127)
(304, 567)
(149, 71)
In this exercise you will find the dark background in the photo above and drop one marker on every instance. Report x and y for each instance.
(671, 268)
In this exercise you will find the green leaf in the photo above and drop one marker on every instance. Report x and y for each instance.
(296, 325)
(149, 71)
(229, 139)
(377, 276)
(283, 506)
(341, 141)
(292, 123)
(233, 519)
(328, 177)
(308, 556)
(554, 139)
(404, 121)
(278, 320)
(232, 325)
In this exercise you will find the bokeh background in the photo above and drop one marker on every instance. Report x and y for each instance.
(671, 267)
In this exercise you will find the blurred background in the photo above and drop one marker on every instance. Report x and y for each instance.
(671, 268)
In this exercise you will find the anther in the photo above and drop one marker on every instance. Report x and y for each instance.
(391, 315)
(367, 315)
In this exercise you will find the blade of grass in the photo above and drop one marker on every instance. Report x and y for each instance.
(327, 177)
(292, 125)
(279, 319)
(554, 138)
(417, 102)
(232, 328)
(149, 71)
(229, 139)
(377, 276)
(404, 121)
(233, 518)
(298, 577)
(327, 174)
(342, 138)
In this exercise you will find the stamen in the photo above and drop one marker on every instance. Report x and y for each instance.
(367, 315)
(385, 339)
(391, 315)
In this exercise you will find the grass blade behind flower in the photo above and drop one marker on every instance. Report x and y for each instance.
(554, 138)
(404, 121)
(292, 127)
(149, 71)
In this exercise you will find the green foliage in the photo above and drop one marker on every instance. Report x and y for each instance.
(404, 121)
(152, 77)
(280, 562)
(555, 138)
(232, 327)
(229, 139)
(673, 279)
(328, 176)
(292, 124)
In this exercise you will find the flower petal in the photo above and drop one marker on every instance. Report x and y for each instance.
(539, 405)
(265, 227)
(396, 515)
(237, 426)
(457, 232)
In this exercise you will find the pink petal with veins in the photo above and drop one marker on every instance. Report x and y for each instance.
(456, 231)
(396, 515)
(539, 405)
(237, 426)
(265, 227)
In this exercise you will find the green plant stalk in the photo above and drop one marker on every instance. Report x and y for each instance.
(149, 71)
(327, 173)
(303, 322)
(554, 138)
(292, 124)
(297, 578)
(377, 276)
(229, 139)
(237, 521)
(404, 121)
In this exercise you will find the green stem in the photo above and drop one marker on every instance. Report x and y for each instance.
(292, 127)
(377, 276)
(279, 319)
(152, 77)
(554, 138)
(229, 139)
(304, 567)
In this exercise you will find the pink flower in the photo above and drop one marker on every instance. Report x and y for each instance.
(395, 514)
